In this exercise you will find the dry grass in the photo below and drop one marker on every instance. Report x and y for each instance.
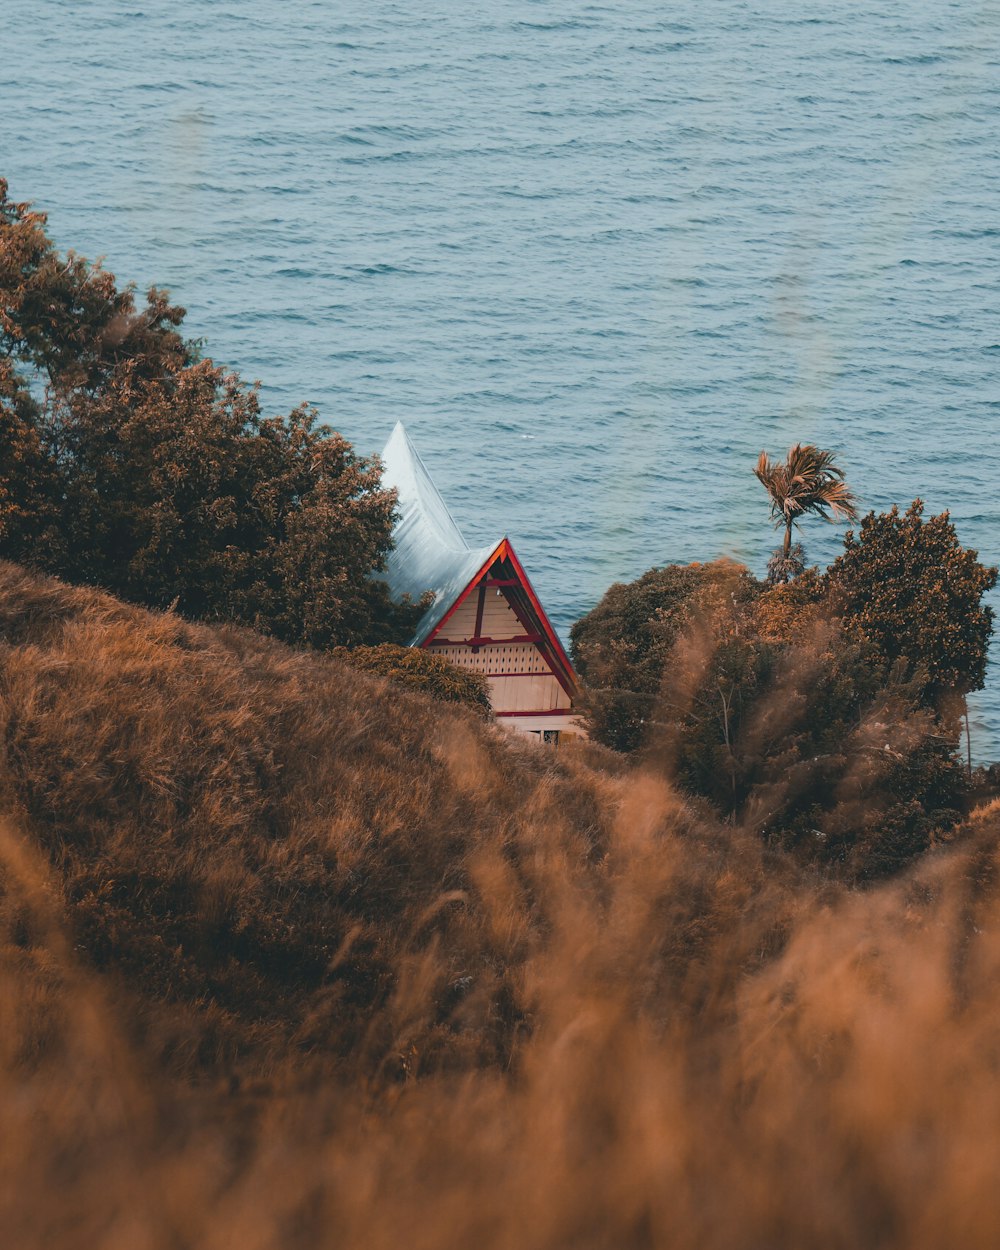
(290, 960)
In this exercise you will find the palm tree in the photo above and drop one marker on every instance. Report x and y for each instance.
(808, 481)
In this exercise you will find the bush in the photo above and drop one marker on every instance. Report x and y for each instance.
(786, 611)
(622, 648)
(249, 834)
(754, 698)
(909, 587)
(423, 671)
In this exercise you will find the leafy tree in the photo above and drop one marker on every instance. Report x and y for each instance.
(755, 698)
(808, 481)
(910, 588)
(785, 611)
(423, 671)
(28, 478)
(622, 648)
(130, 463)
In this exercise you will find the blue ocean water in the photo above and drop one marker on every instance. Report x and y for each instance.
(596, 256)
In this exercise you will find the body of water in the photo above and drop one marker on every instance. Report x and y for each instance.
(596, 256)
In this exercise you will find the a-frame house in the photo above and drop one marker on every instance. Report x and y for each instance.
(485, 616)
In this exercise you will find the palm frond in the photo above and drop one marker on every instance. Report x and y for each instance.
(808, 481)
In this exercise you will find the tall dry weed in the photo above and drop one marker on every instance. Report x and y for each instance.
(290, 961)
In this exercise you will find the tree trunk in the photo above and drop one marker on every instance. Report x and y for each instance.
(788, 538)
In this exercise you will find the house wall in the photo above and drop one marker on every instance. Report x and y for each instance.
(519, 675)
(564, 726)
(527, 694)
(499, 621)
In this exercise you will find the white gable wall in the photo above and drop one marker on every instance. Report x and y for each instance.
(519, 675)
(499, 620)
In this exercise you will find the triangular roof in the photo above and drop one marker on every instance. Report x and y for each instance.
(431, 554)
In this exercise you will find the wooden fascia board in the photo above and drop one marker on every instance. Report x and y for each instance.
(552, 711)
(562, 669)
(479, 640)
(567, 677)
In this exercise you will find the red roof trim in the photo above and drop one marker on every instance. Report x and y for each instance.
(554, 711)
(553, 638)
(566, 677)
(490, 561)
(481, 640)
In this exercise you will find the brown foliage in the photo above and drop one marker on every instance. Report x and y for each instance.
(417, 669)
(289, 962)
(248, 833)
(911, 589)
(755, 697)
(623, 647)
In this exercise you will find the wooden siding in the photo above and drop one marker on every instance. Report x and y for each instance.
(521, 679)
(527, 694)
(499, 620)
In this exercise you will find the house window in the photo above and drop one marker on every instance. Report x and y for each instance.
(551, 736)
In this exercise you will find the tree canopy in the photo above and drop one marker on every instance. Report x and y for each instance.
(814, 711)
(621, 649)
(910, 588)
(130, 463)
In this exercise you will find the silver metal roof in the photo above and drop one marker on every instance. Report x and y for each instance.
(430, 552)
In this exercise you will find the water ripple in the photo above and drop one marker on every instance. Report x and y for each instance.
(597, 256)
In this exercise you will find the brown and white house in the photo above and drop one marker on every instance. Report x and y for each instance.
(485, 616)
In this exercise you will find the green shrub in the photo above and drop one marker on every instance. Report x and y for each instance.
(423, 671)
(756, 698)
(910, 588)
(621, 649)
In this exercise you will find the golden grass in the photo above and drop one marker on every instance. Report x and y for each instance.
(291, 960)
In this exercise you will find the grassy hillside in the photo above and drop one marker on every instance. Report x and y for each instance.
(289, 958)
(252, 839)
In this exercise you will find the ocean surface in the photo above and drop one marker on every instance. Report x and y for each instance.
(595, 256)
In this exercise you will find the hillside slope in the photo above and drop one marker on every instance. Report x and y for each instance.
(290, 960)
(250, 837)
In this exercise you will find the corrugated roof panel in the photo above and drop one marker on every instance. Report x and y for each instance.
(430, 552)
